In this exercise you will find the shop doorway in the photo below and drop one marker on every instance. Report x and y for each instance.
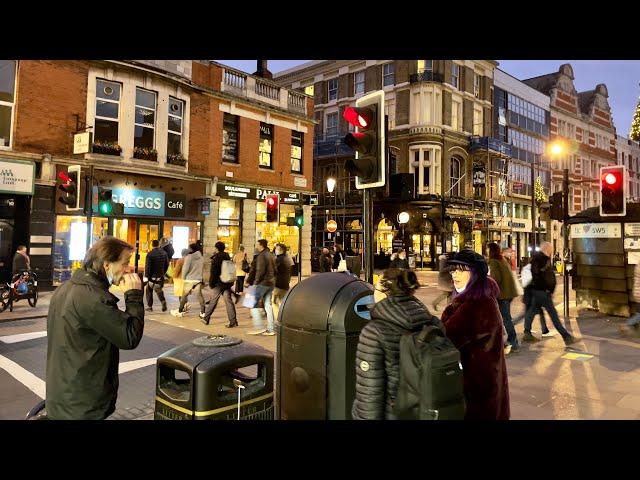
(147, 232)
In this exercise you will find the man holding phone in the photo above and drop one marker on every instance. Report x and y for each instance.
(86, 330)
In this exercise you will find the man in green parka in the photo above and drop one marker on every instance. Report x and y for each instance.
(86, 330)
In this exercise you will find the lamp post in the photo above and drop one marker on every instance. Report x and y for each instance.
(403, 219)
(331, 185)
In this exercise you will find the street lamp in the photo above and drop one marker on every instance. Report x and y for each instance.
(331, 185)
(403, 219)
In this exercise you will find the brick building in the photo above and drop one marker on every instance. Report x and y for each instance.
(629, 155)
(163, 133)
(583, 122)
(434, 109)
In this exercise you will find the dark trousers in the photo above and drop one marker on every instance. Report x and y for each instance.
(239, 284)
(226, 293)
(527, 303)
(543, 300)
(505, 311)
(155, 287)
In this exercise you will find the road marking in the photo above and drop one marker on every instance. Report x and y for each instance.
(125, 367)
(22, 337)
(577, 356)
(24, 376)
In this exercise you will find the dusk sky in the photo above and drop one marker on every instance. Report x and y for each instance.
(620, 76)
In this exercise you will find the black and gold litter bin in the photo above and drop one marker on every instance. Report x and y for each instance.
(215, 377)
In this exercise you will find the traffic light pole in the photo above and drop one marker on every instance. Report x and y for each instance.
(533, 209)
(367, 217)
(299, 253)
(88, 205)
(565, 226)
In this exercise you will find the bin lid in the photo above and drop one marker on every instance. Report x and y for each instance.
(216, 341)
(309, 303)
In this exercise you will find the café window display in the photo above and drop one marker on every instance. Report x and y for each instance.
(277, 232)
(384, 236)
(70, 246)
(229, 224)
(181, 233)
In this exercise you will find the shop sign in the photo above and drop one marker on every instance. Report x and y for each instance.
(632, 229)
(290, 198)
(81, 142)
(235, 191)
(17, 177)
(517, 225)
(226, 190)
(139, 202)
(332, 226)
(596, 230)
(175, 205)
(459, 213)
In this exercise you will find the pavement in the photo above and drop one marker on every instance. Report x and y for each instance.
(597, 378)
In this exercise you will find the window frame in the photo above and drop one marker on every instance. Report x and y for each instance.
(155, 117)
(236, 119)
(293, 133)
(173, 132)
(476, 85)
(386, 75)
(263, 153)
(455, 67)
(356, 83)
(108, 119)
(457, 188)
(11, 105)
(330, 82)
(326, 130)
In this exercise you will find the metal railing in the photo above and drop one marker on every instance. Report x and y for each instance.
(426, 76)
(491, 143)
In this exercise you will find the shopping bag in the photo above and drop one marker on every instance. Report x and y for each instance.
(519, 289)
(178, 287)
(251, 297)
(170, 271)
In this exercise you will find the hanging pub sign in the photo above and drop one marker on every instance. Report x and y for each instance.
(205, 206)
(479, 174)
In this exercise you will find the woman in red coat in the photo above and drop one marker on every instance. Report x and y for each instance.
(474, 324)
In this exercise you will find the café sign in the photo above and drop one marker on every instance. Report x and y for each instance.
(226, 190)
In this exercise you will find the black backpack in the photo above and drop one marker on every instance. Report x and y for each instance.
(430, 386)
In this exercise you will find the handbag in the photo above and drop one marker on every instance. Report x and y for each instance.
(245, 265)
(519, 289)
(170, 271)
(251, 297)
(178, 287)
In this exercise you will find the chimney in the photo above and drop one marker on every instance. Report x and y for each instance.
(262, 70)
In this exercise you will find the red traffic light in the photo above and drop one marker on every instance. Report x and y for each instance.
(610, 178)
(271, 201)
(359, 117)
(273, 214)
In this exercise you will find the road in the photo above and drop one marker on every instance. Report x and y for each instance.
(597, 378)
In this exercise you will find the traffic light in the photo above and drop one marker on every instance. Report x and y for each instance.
(106, 205)
(613, 185)
(556, 210)
(368, 141)
(299, 216)
(273, 208)
(71, 187)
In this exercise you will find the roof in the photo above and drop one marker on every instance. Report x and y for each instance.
(585, 100)
(543, 83)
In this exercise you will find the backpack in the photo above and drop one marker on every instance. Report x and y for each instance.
(431, 385)
(228, 272)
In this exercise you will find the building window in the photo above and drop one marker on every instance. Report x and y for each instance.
(266, 141)
(425, 167)
(229, 224)
(456, 108)
(332, 125)
(7, 100)
(297, 139)
(425, 66)
(309, 90)
(454, 177)
(388, 74)
(332, 87)
(476, 85)
(477, 121)
(390, 112)
(107, 111)
(455, 75)
(174, 138)
(145, 119)
(230, 138)
(358, 82)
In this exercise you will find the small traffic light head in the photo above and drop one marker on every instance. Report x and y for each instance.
(273, 209)
(69, 186)
(360, 117)
(610, 178)
(613, 189)
(299, 216)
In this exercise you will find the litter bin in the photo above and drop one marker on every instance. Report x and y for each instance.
(202, 380)
(318, 328)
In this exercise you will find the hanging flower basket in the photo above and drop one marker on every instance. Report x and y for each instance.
(176, 159)
(106, 148)
(150, 154)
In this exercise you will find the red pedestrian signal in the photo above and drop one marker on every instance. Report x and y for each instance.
(368, 141)
(71, 187)
(613, 182)
(273, 208)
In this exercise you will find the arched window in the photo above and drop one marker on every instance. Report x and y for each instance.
(455, 173)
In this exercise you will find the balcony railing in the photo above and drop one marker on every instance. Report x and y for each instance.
(262, 90)
(426, 76)
(490, 143)
(331, 145)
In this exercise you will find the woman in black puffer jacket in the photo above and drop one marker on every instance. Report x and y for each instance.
(378, 354)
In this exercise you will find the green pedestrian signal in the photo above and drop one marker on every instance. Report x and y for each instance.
(299, 216)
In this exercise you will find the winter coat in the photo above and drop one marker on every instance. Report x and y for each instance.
(85, 330)
(501, 273)
(193, 267)
(156, 264)
(475, 328)
(325, 263)
(399, 263)
(283, 271)
(20, 263)
(168, 249)
(237, 259)
(262, 269)
(216, 271)
(378, 354)
(544, 278)
(339, 255)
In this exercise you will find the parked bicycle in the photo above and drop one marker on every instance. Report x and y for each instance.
(23, 285)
